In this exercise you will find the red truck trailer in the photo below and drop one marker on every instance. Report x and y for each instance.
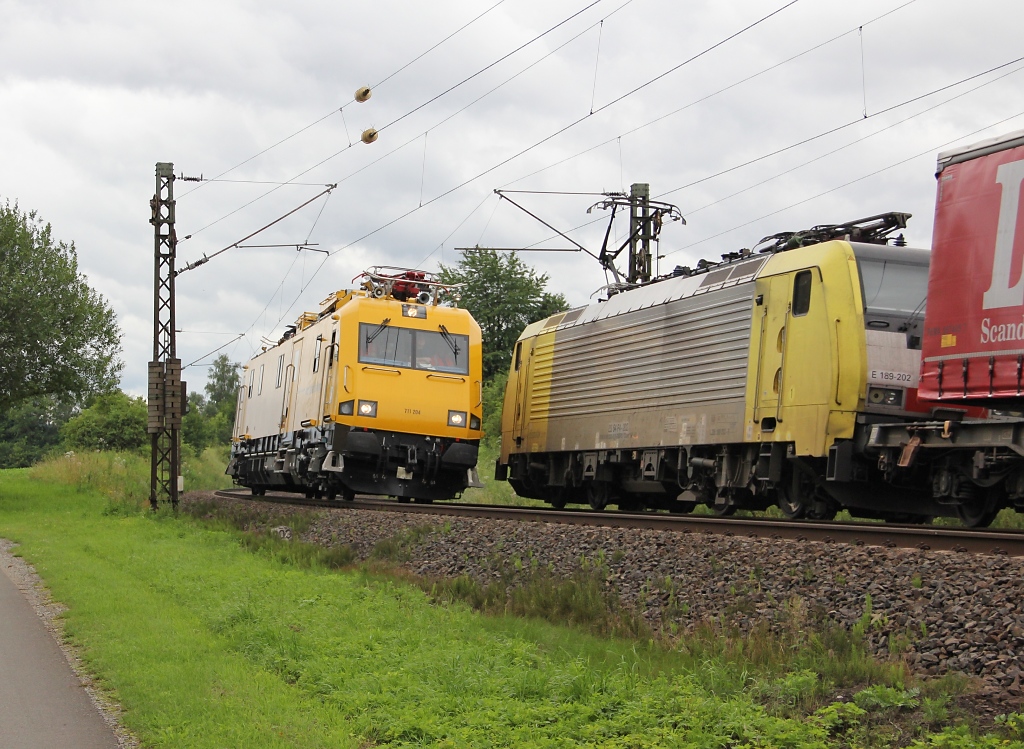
(973, 342)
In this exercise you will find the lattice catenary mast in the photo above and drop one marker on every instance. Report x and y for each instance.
(166, 390)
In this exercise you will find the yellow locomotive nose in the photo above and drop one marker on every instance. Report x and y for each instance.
(374, 394)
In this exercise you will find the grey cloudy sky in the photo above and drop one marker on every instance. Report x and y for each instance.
(93, 94)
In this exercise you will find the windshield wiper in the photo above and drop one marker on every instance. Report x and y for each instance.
(378, 330)
(450, 340)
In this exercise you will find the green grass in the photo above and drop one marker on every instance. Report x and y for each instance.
(208, 645)
(214, 633)
(123, 477)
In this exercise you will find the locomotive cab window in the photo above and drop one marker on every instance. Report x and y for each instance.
(316, 352)
(442, 351)
(801, 293)
(385, 344)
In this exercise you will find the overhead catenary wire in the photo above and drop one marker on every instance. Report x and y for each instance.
(843, 126)
(566, 127)
(378, 130)
(207, 258)
(614, 101)
(607, 105)
(472, 179)
(435, 126)
(875, 173)
(843, 147)
(318, 215)
(863, 74)
(706, 97)
(210, 353)
(484, 69)
(438, 44)
(830, 131)
(342, 107)
(597, 60)
(465, 107)
(460, 225)
(265, 182)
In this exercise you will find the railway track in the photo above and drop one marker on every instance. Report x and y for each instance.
(924, 538)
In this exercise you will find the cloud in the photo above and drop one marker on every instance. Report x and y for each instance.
(93, 95)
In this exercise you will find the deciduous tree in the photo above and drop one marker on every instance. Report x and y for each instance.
(58, 336)
(222, 384)
(31, 429)
(210, 418)
(505, 295)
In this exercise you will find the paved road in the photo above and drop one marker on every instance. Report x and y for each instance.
(42, 702)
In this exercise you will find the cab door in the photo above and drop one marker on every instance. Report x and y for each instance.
(775, 302)
(292, 375)
(522, 357)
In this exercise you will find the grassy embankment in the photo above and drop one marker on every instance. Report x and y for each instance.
(211, 637)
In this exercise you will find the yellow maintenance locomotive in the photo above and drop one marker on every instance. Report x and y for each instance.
(380, 392)
(738, 385)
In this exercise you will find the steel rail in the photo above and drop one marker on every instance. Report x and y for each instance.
(923, 538)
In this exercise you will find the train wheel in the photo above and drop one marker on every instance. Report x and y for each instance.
(348, 494)
(558, 502)
(424, 501)
(792, 507)
(331, 494)
(978, 512)
(258, 491)
(404, 500)
(797, 499)
(598, 494)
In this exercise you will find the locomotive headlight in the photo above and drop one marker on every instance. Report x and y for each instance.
(474, 421)
(456, 418)
(346, 408)
(368, 408)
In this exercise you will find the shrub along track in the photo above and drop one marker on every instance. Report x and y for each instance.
(917, 594)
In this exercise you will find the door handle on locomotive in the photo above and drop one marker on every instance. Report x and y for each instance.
(454, 378)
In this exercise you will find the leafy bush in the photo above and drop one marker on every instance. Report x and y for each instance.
(880, 697)
(114, 421)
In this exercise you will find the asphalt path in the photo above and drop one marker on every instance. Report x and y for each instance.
(42, 702)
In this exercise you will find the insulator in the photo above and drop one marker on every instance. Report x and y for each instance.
(363, 93)
(369, 135)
